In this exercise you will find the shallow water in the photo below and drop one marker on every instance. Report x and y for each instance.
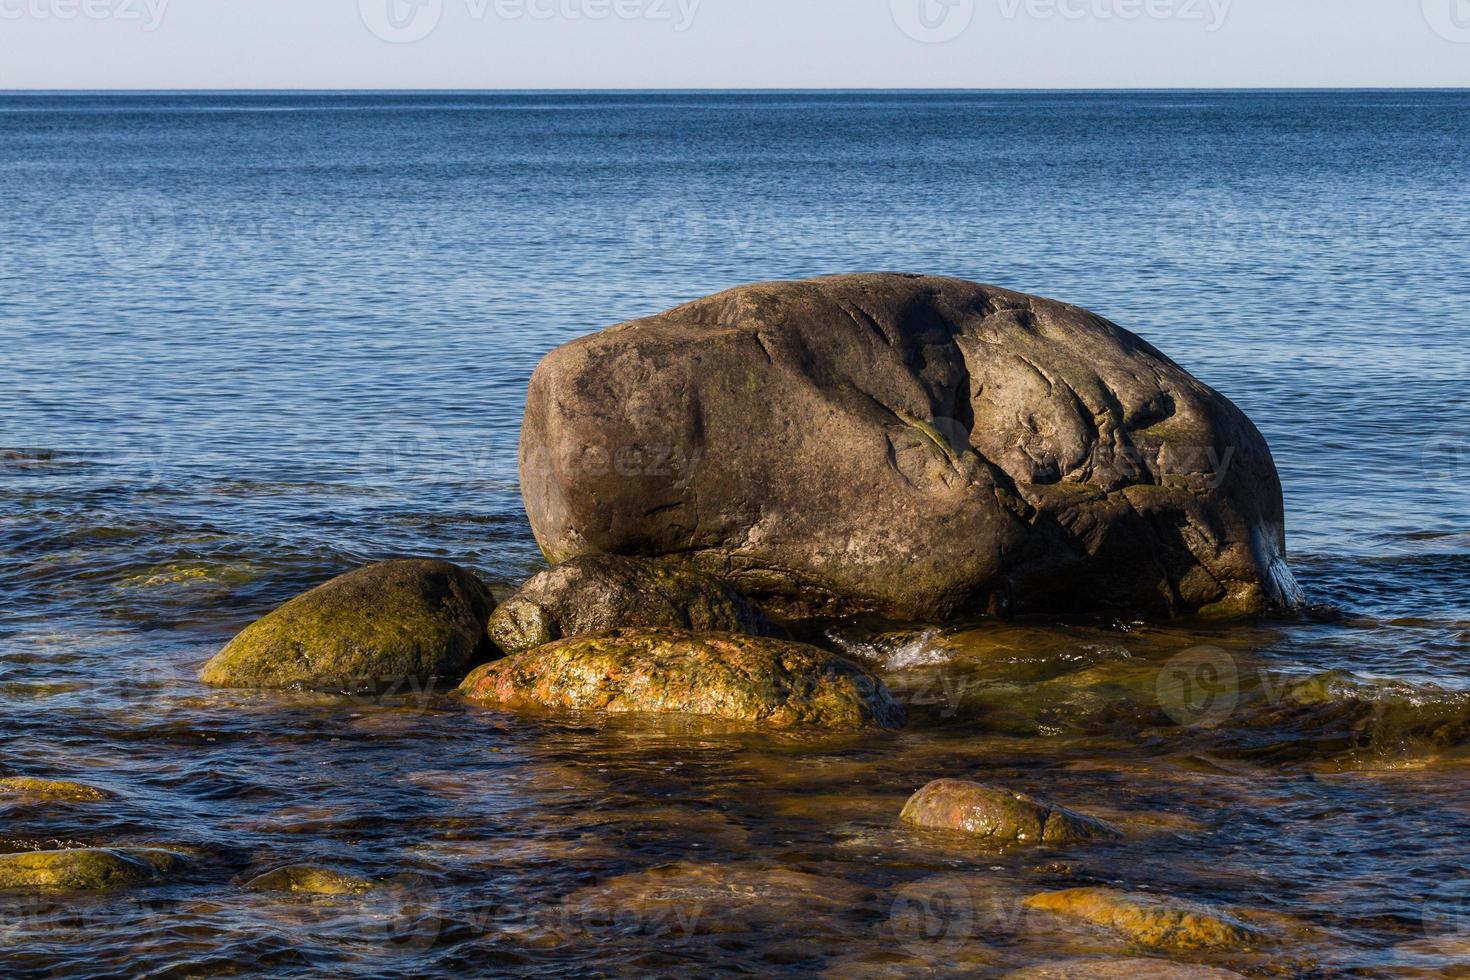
(251, 341)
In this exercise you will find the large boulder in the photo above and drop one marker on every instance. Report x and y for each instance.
(381, 627)
(758, 680)
(605, 592)
(915, 446)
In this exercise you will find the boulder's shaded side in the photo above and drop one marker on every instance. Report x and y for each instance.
(916, 446)
(999, 815)
(398, 622)
(769, 682)
(1151, 920)
(88, 869)
(598, 593)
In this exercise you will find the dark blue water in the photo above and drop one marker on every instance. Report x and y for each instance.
(248, 341)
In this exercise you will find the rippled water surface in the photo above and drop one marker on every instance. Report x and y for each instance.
(249, 341)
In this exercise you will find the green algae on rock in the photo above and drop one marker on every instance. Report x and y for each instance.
(1150, 920)
(31, 789)
(1126, 969)
(604, 592)
(1000, 815)
(88, 869)
(400, 622)
(770, 682)
(303, 879)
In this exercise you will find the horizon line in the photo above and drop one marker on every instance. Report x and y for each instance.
(717, 91)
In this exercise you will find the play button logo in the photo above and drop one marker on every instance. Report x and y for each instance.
(401, 21)
(1450, 19)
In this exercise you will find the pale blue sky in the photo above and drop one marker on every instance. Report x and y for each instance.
(732, 43)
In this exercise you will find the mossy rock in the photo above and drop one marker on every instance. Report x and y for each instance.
(1150, 920)
(769, 682)
(606, 592)
(31, 789)
(1000, 816)
(1125, 969)
(400, 622)
(307, 880)
(88, 869)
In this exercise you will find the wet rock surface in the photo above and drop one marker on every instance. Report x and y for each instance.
(1000, 816)
(1129, 969)
(768, 682)
(595, 594)
(31, 790)
(915, 446)
(309, 880)
(1151, 920)
(400, 622)
(88, 869)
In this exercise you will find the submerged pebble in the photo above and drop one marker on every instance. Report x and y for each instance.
(1000, 815)
(303, 879)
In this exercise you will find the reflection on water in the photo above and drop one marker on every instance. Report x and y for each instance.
(310, 350)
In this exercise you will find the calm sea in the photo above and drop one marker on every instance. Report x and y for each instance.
(250, 340)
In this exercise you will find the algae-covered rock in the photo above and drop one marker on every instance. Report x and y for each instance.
(307, 880)
(88, 869)
(1000, 815)
(30, 789)
(395, 623)
(1151, 920)
(1126, 969)
(770, 682)
(604, 592)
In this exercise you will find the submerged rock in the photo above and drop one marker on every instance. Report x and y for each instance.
(88, 869)
(1150, 920)
(51, 790)
(770, 682)
(399, 622)
(605, 592)
(1000, 815)
(306, 880)
(915, 446)
(1132, 969)
(699, 899)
